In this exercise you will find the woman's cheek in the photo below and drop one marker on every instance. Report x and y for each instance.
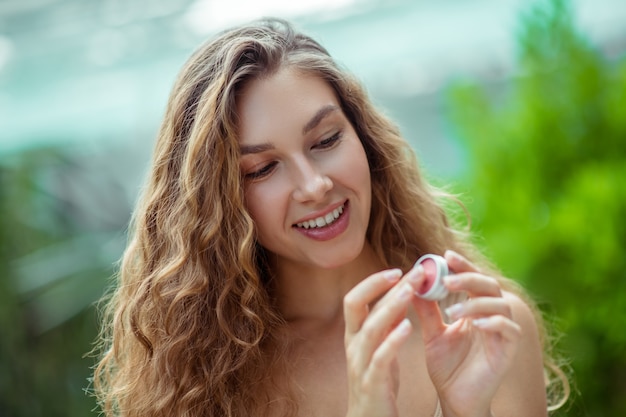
(265, 200)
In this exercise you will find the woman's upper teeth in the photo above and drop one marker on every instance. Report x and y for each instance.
(322, 221)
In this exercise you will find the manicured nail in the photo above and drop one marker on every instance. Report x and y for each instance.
(404, 292)
(451, 280)
(453, 255)
(481, 322)
(404, 327)
(393, 275)
(416, 274)
(455, 310)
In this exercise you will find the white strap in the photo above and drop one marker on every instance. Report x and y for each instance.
(438, 412)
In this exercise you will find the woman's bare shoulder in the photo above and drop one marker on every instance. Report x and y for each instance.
(523, 392)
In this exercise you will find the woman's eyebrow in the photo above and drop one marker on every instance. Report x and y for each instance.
(318, 117)
(310, 125)
(248, 149)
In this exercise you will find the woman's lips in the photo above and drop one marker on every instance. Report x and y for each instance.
(323, 230)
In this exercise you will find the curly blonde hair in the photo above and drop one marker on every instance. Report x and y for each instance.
(192, 327)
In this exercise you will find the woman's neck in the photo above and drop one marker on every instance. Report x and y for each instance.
(315, 295)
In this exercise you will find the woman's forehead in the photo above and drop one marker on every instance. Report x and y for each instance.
(287, 99)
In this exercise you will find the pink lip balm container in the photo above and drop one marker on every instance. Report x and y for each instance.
(435, 268)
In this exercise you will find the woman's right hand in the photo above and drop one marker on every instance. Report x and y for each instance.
(373, 339)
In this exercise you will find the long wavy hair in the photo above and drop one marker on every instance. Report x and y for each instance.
(192, 327)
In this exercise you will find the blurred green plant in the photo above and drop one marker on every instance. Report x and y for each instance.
(547, 177)
(53, 266)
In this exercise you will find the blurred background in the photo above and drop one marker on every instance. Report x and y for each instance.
(518, 106)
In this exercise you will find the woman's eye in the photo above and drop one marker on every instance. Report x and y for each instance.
(329, 142)
(262, 172)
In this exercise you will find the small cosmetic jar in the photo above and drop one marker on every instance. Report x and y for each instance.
(435, 268)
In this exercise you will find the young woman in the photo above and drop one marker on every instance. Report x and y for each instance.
(270, 269)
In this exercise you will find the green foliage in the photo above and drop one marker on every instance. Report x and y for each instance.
(51, 271)
(548, 180)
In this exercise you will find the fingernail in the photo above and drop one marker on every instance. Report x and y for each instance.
(451, 280)
(481, 322)
(455, 310)
(416, 274)
(404, 292)
(453, 254)
(404, 327)
(393, 275)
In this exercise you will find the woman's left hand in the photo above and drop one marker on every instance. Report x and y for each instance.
(468, 359)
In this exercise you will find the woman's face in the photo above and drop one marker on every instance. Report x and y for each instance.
(307, 179)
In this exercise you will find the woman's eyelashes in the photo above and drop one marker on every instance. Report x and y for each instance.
(261, 172)
(329, 142)
(267, 168)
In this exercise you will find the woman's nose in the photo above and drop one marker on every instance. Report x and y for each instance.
(310, 183)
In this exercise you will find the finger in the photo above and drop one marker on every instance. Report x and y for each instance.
(379, 322)
(480, 307)
(362, 345)
(414, 278)
(507, 328)
(431, 321)
(389, 310)
(387, 351)
(427, 311)
(473, 283)
(355, 303)
(458, 263)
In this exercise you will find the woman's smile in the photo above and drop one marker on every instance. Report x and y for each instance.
(323, 220)
(326, 227)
